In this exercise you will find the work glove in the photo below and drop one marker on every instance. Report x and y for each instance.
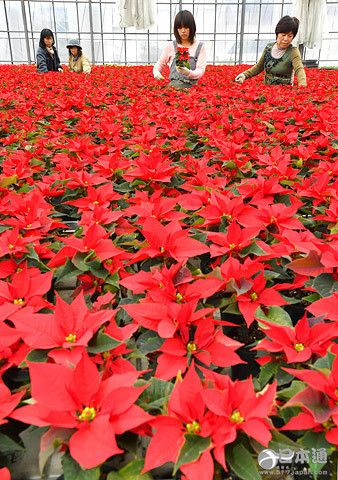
(240, 78)
(158, 75)
(183, 70)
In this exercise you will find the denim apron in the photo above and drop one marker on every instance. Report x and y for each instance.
(177, 79)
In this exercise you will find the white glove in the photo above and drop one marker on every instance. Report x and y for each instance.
(240, 78)
(183, 70)
(158, 75)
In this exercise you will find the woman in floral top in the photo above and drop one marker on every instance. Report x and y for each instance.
(280, 60)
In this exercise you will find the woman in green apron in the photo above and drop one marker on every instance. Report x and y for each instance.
(280, 60)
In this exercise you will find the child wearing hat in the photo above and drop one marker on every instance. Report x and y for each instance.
(77, 61)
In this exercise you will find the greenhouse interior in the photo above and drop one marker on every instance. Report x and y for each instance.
(168, 240)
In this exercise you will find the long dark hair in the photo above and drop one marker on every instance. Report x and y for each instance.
(44, 34)
(185, 19)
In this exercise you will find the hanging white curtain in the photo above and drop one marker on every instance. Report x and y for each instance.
(136, 13)
(312, 17)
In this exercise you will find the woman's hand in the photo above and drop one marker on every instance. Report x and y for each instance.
(158, 75)
(240, 78)
(183, 70)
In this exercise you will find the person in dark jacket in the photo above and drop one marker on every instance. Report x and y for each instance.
(47, 58)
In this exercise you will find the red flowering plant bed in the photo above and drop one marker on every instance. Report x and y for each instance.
(169, 287)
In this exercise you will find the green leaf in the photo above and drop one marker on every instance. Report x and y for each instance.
(97, 269)
(3, 228)
(34, 256)
(270, 127)
(156, 396)
(315, 440)
(149, 342)
(81, 260)
(37, 356)
(325, 363)
(287, 413)
(283, 377)
(233, 309)
(131, 471)
(325, 285)
(113, 280)
(275, 315)
(8, 181)
(124, 187)
(7, 445)
(267, 371)
(68, 269)
(102, 343)
(73, 471)
(50, 443)
(242, 463)
(295, 387)
(254, 249)
(281, 441)
(190, 452)
(114, 476)
(311, 298)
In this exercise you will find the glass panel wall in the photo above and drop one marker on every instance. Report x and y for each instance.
(234, 31)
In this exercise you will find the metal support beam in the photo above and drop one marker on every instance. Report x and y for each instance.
(25, 26)
(215, 21)
(241, 37)
(8, 35)
(91, 30)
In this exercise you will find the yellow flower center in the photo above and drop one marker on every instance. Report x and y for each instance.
(95, 202)
(179, 298)
(28, 225)
(273, 219)
(253, 296)
(10, 246)
(71, 338)
(87, 415)
(18, 301)
(191, 347)
(162, 249)
(328, 424)
(299, 347)
(232, 246)
(236, 417)
(193, 427)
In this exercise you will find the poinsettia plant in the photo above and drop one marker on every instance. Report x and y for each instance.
(168, 274)
(182, 57)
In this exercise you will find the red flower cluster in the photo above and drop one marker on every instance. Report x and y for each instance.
(182, 57)
(153, 242)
